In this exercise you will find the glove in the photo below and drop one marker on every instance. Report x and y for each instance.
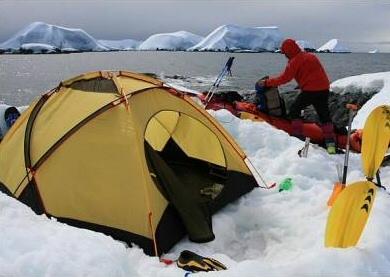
(193, 262)
(259, 88)
(261, 83)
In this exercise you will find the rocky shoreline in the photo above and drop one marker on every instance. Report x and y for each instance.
(337, 102)
(337, 105)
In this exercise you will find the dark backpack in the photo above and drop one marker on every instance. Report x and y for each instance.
(270, 101)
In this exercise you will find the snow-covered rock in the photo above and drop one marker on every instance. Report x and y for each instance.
(333, 46)
(179, 41)
(39, 33)
(236, 38)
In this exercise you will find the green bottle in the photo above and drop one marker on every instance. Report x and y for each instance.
(285, 185)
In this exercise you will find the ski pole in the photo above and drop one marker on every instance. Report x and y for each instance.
(227, 68)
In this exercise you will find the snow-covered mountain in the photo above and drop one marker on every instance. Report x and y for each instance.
(240, 38)
(179, 41)
(333, 46)
(40, 37)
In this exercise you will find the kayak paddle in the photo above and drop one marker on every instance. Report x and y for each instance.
(349, 214)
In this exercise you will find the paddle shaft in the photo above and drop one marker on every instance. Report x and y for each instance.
(352, 110)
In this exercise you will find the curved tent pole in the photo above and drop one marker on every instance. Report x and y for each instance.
(256, 173)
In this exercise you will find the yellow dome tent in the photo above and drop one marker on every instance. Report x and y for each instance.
(124, 154)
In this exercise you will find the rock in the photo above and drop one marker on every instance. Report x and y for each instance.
(337, 105)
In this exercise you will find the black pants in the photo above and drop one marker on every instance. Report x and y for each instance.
(319, 99)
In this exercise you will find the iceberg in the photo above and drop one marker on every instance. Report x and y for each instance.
(40, 37)
(333, 46)
(52, 36)
(179, 41)
(38, 48)
(235, 38)
(306, 46)
(125, 44)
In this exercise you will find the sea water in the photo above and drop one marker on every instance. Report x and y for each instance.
(23, 78)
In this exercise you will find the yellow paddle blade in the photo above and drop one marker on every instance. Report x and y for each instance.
(349, 214)
(376, 136)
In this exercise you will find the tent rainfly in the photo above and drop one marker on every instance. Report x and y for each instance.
(126, 155)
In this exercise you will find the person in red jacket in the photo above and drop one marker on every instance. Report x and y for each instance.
(314, 84)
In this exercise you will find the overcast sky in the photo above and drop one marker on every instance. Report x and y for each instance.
(359, 25)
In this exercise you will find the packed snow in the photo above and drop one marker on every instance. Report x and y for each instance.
(366, 83)
(264, 233)
(40, 37)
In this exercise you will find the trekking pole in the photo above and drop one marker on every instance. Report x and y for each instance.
(337, 186)
(226, 69)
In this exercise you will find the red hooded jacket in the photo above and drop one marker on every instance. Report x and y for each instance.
(304, 67)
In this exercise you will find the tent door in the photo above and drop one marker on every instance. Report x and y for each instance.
(182, 180)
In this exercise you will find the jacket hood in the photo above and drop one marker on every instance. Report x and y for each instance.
(290, 48)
